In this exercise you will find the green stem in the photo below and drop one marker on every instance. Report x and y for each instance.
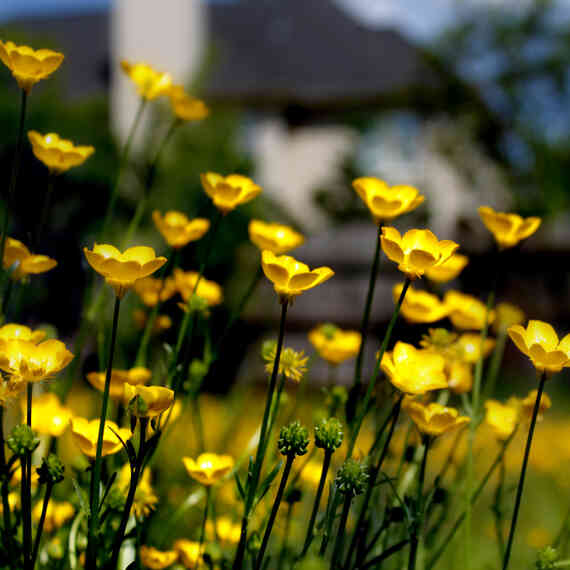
(199, 425)
(27, 486)
(45, 211)
(388, 552)
(495, 365)
(91, 558)
(204, 522)
(498, 512)
(7, 530)
(47, 496)
(283, 549)
(372, 384)
(523, 471)
(337, 550)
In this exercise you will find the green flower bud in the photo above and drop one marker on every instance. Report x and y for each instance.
(293, 439)
(351, 478)
(328, 434)
(337, 397)
(268, 348)
(547, 558)
(199, 305)
(51, 470)
(138, 407)
(328, 330)
(22, 440)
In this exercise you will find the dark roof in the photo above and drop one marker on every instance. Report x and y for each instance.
(307, 52)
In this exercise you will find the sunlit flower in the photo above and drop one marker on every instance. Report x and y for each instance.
(188, 552)
(226, 530)
(177, 229)
(33, 362)
(333, 344)
(50, 417)
(467, 312)
(459, 376)
(85, 435)
(57, 514)
(161, 322)
(540, 343)
(208, 468)
(527, 404)
(277, 238)
(147, 401)
(58, 154)
(121, 270)
(17, 255)
(385, 202)
(135, 376)
(150, 83)
(502, 418)
(433, 418)
(185, 282)
(291, 363)
(157, 559)
(507, 315)
(14, 331)
(185, 107)
(151, 290)
(449, 269)
(291, 277)
(419, 306)
(230, 191)
(145, 498)
(508, 229)
(415, 251)
(468, 347)
(27, 65)
(414, 371)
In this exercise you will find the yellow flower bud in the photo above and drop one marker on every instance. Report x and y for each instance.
(147, 401)
(185, 107)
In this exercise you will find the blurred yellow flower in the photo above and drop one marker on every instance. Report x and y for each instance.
(33, 362)
(433, 419)
(58, 154)
(27, 65)
(527, 404)
(385, 202)
(502, 418)
(291, 277)
(185, 107)
(189, 552)
(415, 251)
(161, 322)
(333, 344)
(13, 502)
(177, 229)
(150, 290)
(50, 416)
(147, 401)
(467, 312)
(185, 282)
(145, 498)
(149, 82)
(10, 387)
(121, 270)
(291, 363)
(468, 347)
(414, 371)
(25, 263)
(56, 516)
(459, 376)
(85, 435)
(230, 191)
(208, 468)
(540, 343)
(277, 238)
(419, 306)
(226, 530)
(157, 559)
(135, 376)
(449, 269)
(13, 331)
(508, 229)
(507, 315)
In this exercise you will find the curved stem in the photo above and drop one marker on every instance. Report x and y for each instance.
(47, 496)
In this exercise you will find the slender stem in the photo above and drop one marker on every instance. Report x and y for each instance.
(45, 210)
(91, 558)
(7, 530)
(283, 549)
(372, 384)
(204, 522)
(498, 512)
(275, 508)
(47, 496)
(388, 552)
(27, 486)
(419, 518)
(337, 550)
(523, 471)
(495, 365)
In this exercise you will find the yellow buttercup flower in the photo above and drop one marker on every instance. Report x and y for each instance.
(226, 530)
(157, 559)
(414, 371)
(85, 434)
(150, 83)
(58, 154)
(385, 202)
(277, 238)
(433, 419)
(540, 343)
(291, 277)
(507, 315)
(134, 376)
(151, 290)
(121, 270)
(459, 376)
(467, 312)
(208, 468)
(177, 229)
(147, 401)
(527, 404)
(333, 344)
(502, 418)
(161, 322)
(27, 65)
(189, 552)
(145, 498)
(50, 416)
(449, 269)
(185, 107)
(185, 282)
(292, 364)
(17, 255)
(468, 347)
(415, 251)
(57, 514)
(13, 331)
(230, 191)
(419, 306)
(33, 362)
(10, 387)
(508, 229)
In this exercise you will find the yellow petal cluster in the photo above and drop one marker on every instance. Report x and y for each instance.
(419, 306)
(149, 401)
(50, 416)
(185, 282)
(157, 559)
(502, 418)
(185, 107)
(208, 468)
(540, 343)
(85, 435)
(226, 530)
(58, 154)
(433, 419)
(27, 65)
(134, 376)
(150, 290)
(292, 364)
(18, 256)
(449, 269)
(277, 238)
(508, 229)
(469, 347)
(385, 202)
(14, 331)
(333, 344)
(57, 514)
(10, 387)
(228, 192)
(467, 312)
(291, 277)
(149, 82)
(189, 552)
(416, 251)
(177, 229)
(121, 270)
